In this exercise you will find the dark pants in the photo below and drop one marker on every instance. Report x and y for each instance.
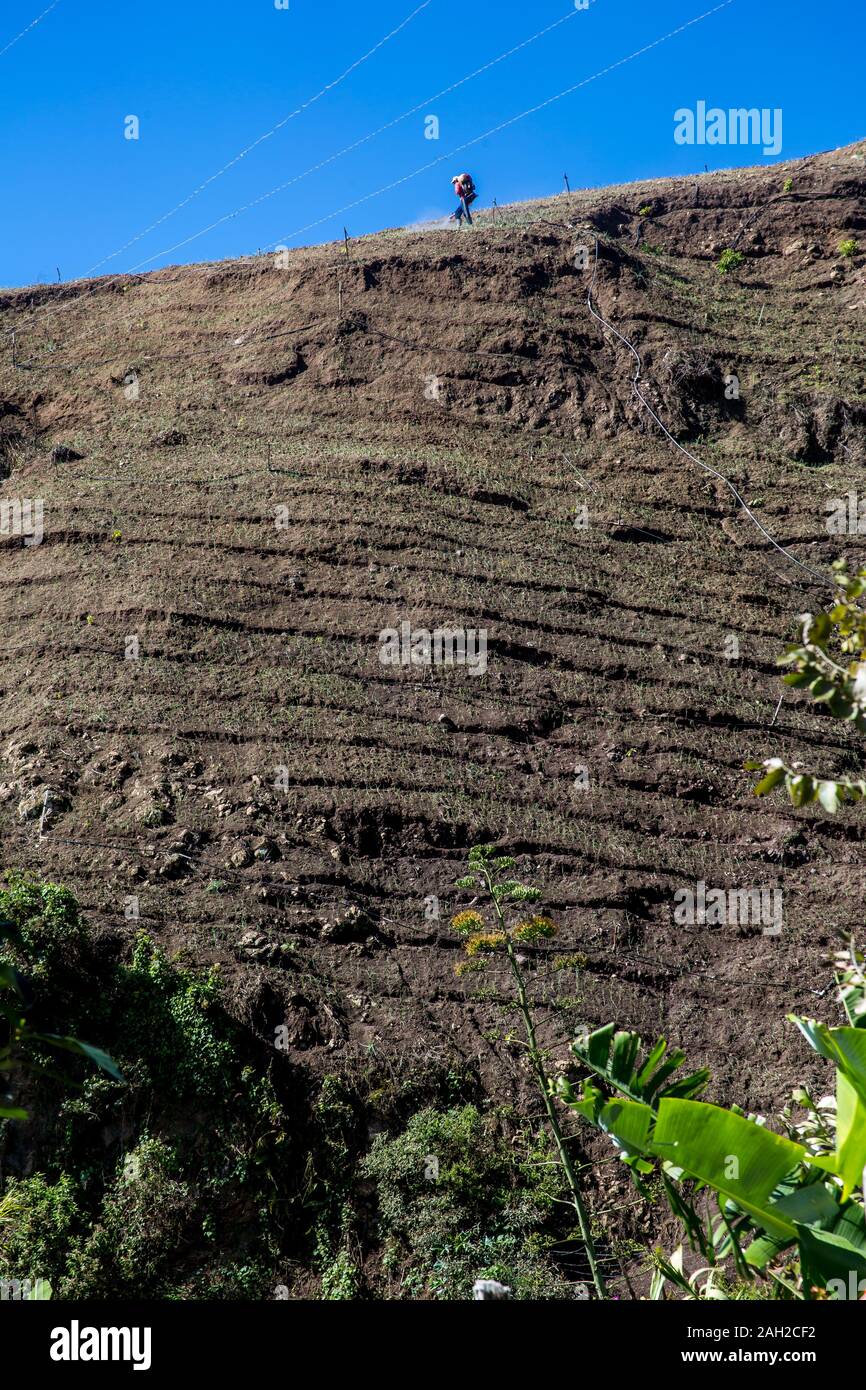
(463, 211)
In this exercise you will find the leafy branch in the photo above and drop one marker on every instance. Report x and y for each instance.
(841, 689)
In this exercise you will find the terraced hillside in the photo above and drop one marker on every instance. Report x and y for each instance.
(250, 469)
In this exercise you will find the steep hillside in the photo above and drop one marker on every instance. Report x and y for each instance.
(250, 469)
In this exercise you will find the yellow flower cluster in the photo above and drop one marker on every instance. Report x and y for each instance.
(468, 923)
(487, 941)
(534, 929)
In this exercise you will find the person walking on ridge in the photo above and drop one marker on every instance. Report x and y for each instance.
(465, 191)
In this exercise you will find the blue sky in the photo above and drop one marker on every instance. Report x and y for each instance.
(207, 79)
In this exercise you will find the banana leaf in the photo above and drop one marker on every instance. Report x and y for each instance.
(85, 1049)
(828, 1256)
(846, 1047)
(629, 1123)
(814, 1206)
(615, 1056)
(850, 1155)
(741, 1160)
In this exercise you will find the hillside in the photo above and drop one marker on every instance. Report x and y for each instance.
(251, 469)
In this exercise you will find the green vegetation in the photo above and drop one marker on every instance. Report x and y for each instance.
(195, 1129)
(487, 877)
(848, 247)
(729, 261)
(446, 1194)
(340, 1278)
(789, 1207)
(218, 1175)
(459, 1201)
(48, 923)
(838, 688)
(36, 1221)
(172, 1024)
(39, 926)
(147, 1211)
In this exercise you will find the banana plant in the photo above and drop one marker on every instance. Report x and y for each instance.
(703, 1285)
(768, 1186)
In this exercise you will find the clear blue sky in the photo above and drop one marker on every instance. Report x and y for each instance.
(207, 78)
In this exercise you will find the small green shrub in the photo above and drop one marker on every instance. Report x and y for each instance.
(340, 1279)
(169, 1018)
(575, 961)
(47, 918)
(230, 1282)
(458, 1202)
(140, 1230)
(848, 247)
(38, 1220)
(787, 185)
(730, 261)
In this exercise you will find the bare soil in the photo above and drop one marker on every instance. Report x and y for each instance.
(430, 411)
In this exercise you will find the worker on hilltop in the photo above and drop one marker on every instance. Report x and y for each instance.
(465, 190)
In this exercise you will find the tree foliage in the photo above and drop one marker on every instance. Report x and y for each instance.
(829, 661)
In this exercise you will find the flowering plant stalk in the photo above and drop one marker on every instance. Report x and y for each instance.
(487, 876)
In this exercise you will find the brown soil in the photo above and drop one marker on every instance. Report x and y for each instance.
(311, 389)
